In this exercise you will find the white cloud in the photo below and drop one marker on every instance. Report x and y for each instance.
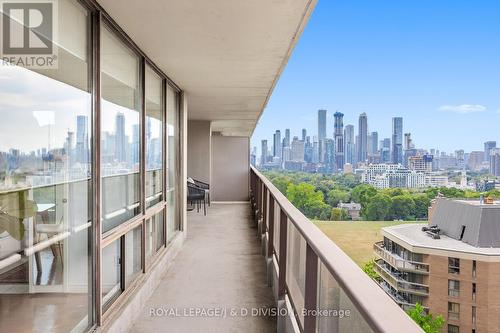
(463, 108)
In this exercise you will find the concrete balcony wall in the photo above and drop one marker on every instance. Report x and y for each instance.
(199, 151)
(230, 168)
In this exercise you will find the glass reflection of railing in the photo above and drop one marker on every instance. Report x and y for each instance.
(317, 283)
(398, 262)
(398, 283)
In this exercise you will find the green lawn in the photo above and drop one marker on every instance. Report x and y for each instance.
(356, 238)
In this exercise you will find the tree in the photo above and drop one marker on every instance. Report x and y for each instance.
(369, 269)
(308, 201)
(426, 321)
(338, 214)
(422, 203)
(335, 196)
(379, 208)
(403, 207)
(362, 194)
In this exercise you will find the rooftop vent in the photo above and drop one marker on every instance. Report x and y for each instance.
(432, 231)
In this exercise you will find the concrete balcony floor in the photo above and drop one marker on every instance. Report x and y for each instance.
(219, 266)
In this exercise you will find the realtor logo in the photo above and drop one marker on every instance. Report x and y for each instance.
(28, 34)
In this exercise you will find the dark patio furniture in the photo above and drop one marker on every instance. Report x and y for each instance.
(196, 196)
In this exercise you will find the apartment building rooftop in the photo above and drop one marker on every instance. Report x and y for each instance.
(414, 239)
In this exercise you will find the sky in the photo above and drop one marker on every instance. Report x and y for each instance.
(436, 63)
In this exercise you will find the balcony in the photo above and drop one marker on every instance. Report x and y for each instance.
(398, 298)
(220, 267)
(398, 283)
(399, 263)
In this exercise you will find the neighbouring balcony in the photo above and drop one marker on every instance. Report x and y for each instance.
(398, 283)
(399, 263)
(398, 298)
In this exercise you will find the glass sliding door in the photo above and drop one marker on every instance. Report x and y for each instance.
(154, 137)
(45, 188)
(172, 161)
(120, 132)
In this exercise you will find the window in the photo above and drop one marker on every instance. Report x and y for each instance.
(133, 256)
(473, 291)
(155, 234)
(453, 329)
(453, 288)
(173, 222)
(154, 137)
(120, 132)
(453, 311)
(111, 273)
(473, 268)
(454, 265)
(45, 189)
(474, 315)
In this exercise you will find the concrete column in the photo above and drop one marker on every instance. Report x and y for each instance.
(199, 152)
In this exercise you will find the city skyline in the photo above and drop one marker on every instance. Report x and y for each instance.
(403, 133)
(416, 60)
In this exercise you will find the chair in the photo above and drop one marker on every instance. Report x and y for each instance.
(204, 186)
(196, 195)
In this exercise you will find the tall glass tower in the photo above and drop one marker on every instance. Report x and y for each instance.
(397, 140)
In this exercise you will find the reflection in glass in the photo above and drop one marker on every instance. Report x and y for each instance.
(110, 274)
(154, 138)
(155, 234)
(172, 156)
(120, 134)
(45, 219)
(133, 258)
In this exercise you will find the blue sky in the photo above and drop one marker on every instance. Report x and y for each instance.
(436, 63)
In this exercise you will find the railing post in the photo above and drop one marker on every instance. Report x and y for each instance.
(264, 211)
(282, 255)
(270, 241)
(311, 290)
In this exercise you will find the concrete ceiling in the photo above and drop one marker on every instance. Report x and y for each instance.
(227, 55)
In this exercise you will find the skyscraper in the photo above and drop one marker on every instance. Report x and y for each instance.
(374, 143)
(495, 162)
(408, 141)
(349, 151)
(338, 137)
(321, 134)
(304, 134)
(277, 144)
(135, 143)
(120, 139)
(297, 153)
(82, 139)
(330, 155)
(286, 143)
(488, 145)
(385, 151)
(263, 152)
(397, 140)
(362, 146)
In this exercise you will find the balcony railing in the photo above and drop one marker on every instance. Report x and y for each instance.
(400, 300)
(313, 273)
(399, 263)
(399, 283)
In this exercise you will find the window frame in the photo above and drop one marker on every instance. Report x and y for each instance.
(453, 265)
